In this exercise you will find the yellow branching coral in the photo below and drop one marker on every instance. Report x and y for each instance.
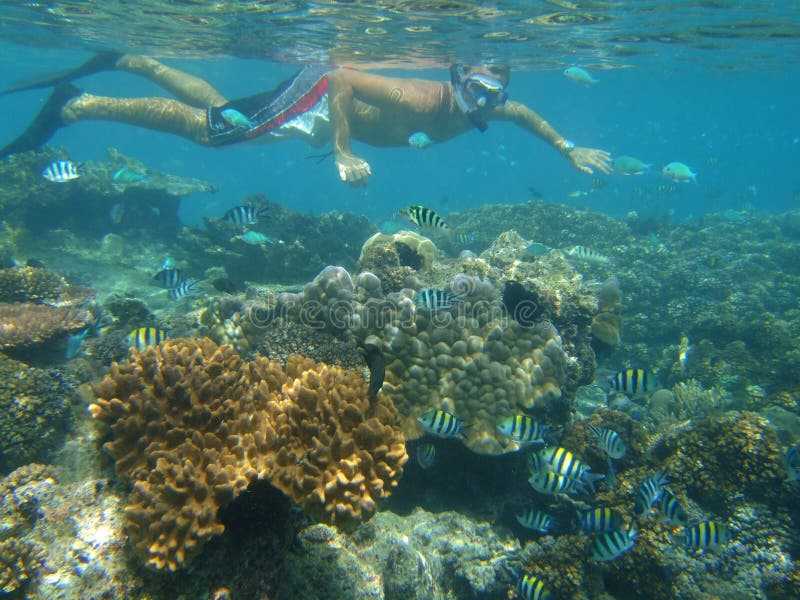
(194, 425)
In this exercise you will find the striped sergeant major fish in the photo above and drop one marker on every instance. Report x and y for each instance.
(791, 462)
(426, 455)
(610, 545)
(183, 289)
(436, 299)
(530, 518)
(610, 442)
(424, 217)
(244, 215)
(634, 383)
(599, 519)
(548, 482)
(522, 429)
(706, 535)
(143, 337)
(649, 493)
(588, 255)
(531, 587)
(442, 424)
(60, 171)
(564, 463)
(170, 278)
(671, 509)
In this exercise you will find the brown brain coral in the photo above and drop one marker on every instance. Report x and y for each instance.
(195, 424)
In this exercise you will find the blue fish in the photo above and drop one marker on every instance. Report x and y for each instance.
(419, 140)
(579, 75)
(236, 119)
(255, 238)
(74, 343)
(126, 175)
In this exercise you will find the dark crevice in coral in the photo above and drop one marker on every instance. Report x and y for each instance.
(408, 257)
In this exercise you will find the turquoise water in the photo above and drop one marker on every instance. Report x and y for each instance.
(571, 290)
(708, 84)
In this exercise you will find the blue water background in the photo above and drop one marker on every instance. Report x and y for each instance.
(736, 127)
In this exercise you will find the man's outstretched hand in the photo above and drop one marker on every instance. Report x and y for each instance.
(353, 170)
(588, 159)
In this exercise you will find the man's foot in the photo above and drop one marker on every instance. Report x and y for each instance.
(102, 61)
(46, 123)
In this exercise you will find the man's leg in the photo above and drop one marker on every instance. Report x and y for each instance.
(187, 88)
(160, 114)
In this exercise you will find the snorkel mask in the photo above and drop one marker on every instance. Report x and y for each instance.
(476, 94)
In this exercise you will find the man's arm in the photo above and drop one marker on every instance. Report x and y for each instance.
(585, 159)
(352, 170)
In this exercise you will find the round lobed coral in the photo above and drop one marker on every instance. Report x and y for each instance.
(34, 412)
(194, 425)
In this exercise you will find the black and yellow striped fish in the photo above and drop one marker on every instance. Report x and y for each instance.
(610, 545)
(634, 382)
(564, 463)
(547, 482)
(599, 519)
(522, 429)
(531, 518)
(531, 587)
(649, 492)
(442, 424)
(706, 535)
(672, 510)
(143, 337)
(424, 217)
(610, 442)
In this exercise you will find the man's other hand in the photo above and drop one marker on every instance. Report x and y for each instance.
(588, 159)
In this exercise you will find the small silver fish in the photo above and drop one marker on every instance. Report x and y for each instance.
(183, 289)
(60, 171)
(236, 119)
(434, 300)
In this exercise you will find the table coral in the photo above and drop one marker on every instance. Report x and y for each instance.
(26, 325)
(194, 425)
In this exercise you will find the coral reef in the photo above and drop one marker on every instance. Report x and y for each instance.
(420, 556)
(474, 361)
(302, 244)
(41, 206)
(30, 284)
(719, 458)
(194, 425)
(34, 412)
(26, 325)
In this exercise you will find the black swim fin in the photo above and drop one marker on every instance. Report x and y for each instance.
(46, 123)
(103, 61)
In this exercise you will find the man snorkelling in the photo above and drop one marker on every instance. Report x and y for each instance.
(318, 104)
